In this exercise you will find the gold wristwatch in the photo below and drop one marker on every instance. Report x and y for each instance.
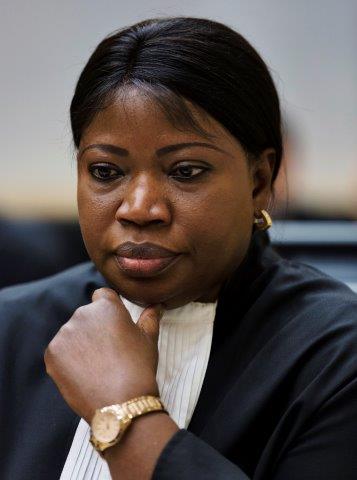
(109, 423)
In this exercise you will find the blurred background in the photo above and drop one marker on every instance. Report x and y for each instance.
(310, 48)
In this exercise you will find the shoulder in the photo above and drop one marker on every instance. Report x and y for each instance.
(52, 287)
(305, 288)
(315, 326)
(273, 296)
(313, 302)
(292, 285)
(44, 305)
(295, 321)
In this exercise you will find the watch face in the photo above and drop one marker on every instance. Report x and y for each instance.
(105, 426)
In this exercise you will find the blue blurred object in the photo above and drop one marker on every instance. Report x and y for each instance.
(35, 249)
(330, 246)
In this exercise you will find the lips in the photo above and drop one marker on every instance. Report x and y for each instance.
(144, 259)
(143, 250)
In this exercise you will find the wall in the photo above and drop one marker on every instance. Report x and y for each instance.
(310, 46)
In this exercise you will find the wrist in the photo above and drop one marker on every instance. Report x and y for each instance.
(122, 396)
(141, 427)
(110, 423)
(144, 441)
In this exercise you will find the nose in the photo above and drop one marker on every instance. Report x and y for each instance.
(144, 202)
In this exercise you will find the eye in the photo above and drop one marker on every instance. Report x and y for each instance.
(188, 172)
(104, 172)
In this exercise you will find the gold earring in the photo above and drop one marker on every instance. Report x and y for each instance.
(264, 222)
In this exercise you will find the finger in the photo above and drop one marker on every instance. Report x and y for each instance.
(114, 300)
(105, 292)
(149, 321)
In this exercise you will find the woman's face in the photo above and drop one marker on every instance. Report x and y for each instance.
(140, 179)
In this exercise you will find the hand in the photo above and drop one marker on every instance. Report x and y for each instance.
(101, 357)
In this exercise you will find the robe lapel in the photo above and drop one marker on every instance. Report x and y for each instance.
(235, 298)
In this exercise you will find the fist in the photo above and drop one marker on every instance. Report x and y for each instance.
(101, 357)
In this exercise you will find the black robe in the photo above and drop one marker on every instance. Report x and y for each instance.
(279, 399)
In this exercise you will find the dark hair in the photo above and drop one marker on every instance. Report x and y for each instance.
(182, 58)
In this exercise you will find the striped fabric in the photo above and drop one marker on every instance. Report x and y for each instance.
(184, 347)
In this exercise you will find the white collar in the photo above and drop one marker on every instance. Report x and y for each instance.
(189, 313)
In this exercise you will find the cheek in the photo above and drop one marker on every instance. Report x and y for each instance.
(222, 217)
(96, 214)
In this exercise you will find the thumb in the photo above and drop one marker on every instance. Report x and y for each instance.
(149, 321)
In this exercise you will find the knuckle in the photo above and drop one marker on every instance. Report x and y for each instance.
(102, 290)
(51, 348)
(47, 366)
(48, 355)
(79, 312)
(104, 293)
(63, 332)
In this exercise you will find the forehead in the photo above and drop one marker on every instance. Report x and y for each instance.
(133, 115)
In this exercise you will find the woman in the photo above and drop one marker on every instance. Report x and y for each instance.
(245, 362)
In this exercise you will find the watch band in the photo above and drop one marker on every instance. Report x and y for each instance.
(139, 405)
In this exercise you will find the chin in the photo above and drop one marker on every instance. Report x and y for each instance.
(141, 301)
(154, 299)
(142, 291)
(149, 295)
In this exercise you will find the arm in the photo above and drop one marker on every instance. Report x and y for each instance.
(154, 447)
(326, 450)
(135, 456)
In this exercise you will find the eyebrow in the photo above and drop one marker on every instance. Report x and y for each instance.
(122, 152)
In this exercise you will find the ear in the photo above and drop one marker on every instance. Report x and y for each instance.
(262, 174)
